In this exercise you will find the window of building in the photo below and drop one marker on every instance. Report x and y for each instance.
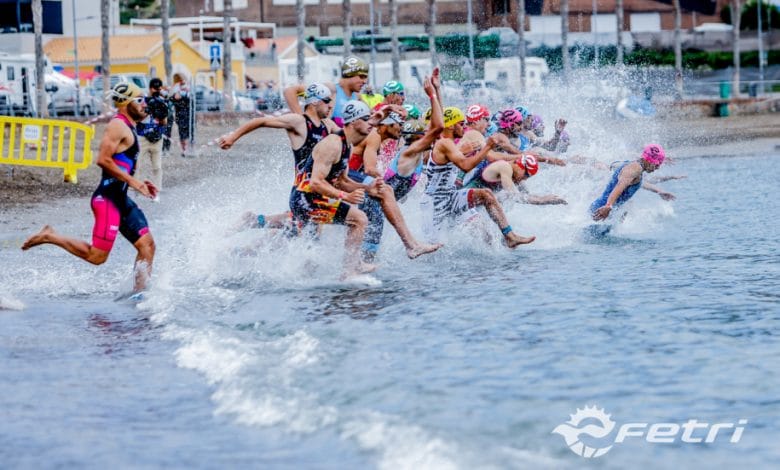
(11, 75)
(647, 22)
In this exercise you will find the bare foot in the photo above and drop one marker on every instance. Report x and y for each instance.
(38, 238)
(512, 240)
(422, 249)
(366, 268)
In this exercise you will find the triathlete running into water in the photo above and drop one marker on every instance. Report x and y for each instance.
(114, 211)
(304, 132)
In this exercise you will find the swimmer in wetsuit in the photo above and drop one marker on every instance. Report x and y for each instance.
(626, 181)
(114, 211)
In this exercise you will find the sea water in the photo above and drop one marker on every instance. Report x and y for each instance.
(249, 352)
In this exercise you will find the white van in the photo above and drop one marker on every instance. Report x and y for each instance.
(17, 83)
(504, 72)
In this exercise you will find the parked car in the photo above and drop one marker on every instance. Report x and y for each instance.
(136, 78)
(243, 103)
(91, 101)
(62, 100)
(480, 90)
(207, 99)
(265, 98)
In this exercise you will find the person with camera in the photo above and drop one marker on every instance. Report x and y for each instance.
(152, 129)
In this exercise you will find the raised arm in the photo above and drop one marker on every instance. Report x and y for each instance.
(289, 122)
(291, 94)
(370, 153)
(453, 154)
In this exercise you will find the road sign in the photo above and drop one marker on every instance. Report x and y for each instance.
(215, 56)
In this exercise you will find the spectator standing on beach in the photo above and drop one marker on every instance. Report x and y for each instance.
(182, 105)
(151, 130)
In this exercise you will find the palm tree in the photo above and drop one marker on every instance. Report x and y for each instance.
(521, 42)
(346, 19)
(40, 65)
(300, 69)
(105, 57)
(164, 15)
(227, 56)
(430, 28)
(619, 14)
(678, 77)
(565, 39)
(736, 8)
(395, 53)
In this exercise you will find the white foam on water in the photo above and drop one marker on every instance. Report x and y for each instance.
(10, 303)
(400, 445)
(232, 366)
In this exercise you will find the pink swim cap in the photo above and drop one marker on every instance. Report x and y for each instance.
(654, 153)
(509, 117)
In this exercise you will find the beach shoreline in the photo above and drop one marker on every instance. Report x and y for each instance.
(683, 138)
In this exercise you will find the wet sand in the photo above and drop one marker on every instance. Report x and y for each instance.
(24, 187)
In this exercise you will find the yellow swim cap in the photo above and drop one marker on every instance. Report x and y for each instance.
(452, 116)
(123, 93)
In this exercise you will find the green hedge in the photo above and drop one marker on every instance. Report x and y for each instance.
(692, 58)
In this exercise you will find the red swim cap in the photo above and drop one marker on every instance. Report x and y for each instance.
(529, 163)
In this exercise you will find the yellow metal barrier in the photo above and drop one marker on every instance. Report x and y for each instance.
(43, 143)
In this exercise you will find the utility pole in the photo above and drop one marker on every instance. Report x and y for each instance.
(105, 56)
(76, 111)
(619, 14)
(760, 47)
(521, 42)
(595, 30)
(470, 31)
(678, 77)
(300, 69)
(565, 40)
(40, 66)
(396, 53)
(430, 30)
(227, 55)
(373, 45)
(166, 38)
(346, 19)
(736, 8)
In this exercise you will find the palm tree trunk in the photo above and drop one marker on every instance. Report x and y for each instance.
(678, 77)
(105, 56)
(736, 8)
(395, 52)
(321, 21)
(521, 42)
(40, 66)
(300, 69)
(430, 30)
(619, 14)
(166, 37)
(346, 19)
(227, 56)
(565, 40)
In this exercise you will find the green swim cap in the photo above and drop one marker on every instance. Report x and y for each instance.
(412, 112)
(392, 87)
